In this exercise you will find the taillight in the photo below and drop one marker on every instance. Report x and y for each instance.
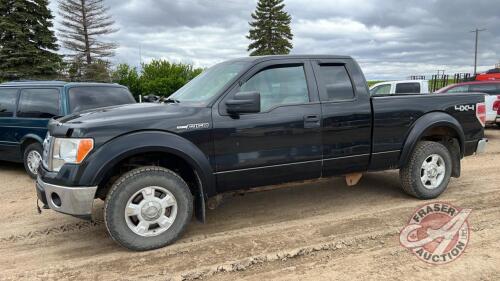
(481, 113)
(496, 105)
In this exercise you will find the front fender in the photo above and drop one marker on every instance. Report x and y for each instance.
(100, 162)
(425, 123)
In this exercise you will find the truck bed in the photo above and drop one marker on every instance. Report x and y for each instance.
(395, 115)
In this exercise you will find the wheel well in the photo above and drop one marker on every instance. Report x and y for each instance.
(451, 140)
(27, 142)
(161, 159)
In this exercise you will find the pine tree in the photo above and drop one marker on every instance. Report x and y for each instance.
(270, 31)
(27, 44)
(84, 21)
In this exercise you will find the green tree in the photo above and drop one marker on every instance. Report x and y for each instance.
(162, 78)
(27, 44)
(270, 30)
(126, 75)
(78, 70)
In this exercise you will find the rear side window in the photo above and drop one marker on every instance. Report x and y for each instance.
(403, 88)
(335, 83)
(8, 99)
(491, 89)
(39, 103)
(83, 98)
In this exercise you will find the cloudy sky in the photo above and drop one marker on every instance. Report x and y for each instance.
(391, 39)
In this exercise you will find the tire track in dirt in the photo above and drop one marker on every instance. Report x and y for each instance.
(291, 234)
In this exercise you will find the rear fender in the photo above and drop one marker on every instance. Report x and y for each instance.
(428, 122)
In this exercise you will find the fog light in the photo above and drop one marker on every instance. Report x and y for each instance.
(56, 200)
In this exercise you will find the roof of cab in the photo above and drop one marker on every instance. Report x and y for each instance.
(282, 57)
(24, 83)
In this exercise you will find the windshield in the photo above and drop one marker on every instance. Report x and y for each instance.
(205, 86)
(83, 98)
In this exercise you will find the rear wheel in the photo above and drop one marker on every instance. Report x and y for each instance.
(427, 173)
(32, 157)
(148, 208)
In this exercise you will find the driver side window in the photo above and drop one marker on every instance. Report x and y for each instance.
(279, 86)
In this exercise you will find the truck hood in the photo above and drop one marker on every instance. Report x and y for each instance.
(122, 114)
(108, 122)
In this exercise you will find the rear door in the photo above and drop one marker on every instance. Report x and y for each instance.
(282, 142)
(9, 147)
(35, 108)
(346, 120)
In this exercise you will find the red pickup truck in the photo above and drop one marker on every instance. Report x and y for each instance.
(492, 74)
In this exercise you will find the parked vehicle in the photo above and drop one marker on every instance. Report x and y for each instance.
(496, 106)
(490, 75)
(26, 107)
(246, 123)
(400, 87)
(490, 88)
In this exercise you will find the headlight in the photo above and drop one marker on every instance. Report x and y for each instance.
(70, 151)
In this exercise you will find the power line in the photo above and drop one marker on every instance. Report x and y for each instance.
(475, 47)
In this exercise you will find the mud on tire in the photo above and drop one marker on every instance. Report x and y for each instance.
(412, 172)
(126, 188)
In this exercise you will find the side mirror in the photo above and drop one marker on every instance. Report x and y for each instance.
(244, 102)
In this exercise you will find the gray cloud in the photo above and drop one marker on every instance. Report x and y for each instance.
(392, 39)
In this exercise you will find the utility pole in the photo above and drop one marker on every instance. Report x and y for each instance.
(475, 47)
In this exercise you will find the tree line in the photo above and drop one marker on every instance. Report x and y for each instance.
(30, 49)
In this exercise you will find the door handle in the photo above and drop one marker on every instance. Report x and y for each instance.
(311, 121)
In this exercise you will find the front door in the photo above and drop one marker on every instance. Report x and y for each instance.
(283, 141)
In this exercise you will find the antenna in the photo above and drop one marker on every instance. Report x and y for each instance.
(475, 47)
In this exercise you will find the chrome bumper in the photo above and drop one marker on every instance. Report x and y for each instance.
(481, 146)
(76, 201)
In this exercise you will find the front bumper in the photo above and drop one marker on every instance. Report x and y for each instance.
(75, 201)
(481, 146)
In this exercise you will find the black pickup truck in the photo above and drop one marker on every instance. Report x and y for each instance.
(246, 123)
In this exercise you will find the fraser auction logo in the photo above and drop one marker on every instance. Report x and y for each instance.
(437, 233)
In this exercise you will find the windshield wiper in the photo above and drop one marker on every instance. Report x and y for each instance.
(171, 100)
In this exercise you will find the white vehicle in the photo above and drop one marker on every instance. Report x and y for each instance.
(400, 87)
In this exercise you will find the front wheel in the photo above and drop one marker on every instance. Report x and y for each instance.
(427, 173)
(148, 208)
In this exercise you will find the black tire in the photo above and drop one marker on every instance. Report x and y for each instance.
(34, 147)
(410, 173)
(130, 183)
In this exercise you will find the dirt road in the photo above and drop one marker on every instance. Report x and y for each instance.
(318, 231)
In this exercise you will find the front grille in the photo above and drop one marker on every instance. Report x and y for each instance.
(47, 147)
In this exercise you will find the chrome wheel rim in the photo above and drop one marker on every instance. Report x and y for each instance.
(433, 171)
(151, 211)
(33, 161)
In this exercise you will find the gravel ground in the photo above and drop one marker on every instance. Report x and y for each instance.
(314, 231)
